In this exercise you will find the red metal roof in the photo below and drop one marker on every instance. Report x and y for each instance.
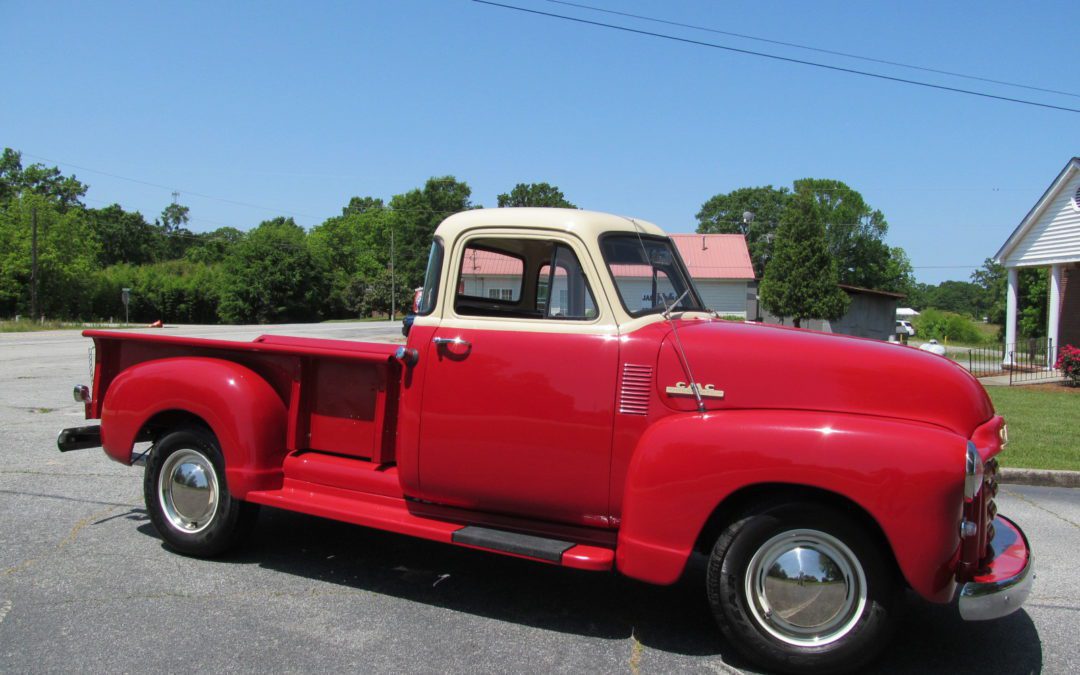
(715, 256)
(708, 256)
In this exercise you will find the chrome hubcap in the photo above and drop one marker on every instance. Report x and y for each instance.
(806, 588)
(188, 490)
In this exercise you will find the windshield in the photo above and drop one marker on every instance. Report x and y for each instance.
(648, 274)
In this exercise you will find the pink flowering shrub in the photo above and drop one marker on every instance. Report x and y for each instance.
(1068, 362)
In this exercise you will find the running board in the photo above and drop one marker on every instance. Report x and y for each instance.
(393, 514)
(513, 543)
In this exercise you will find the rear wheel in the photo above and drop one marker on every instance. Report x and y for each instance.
(187, 497)
(802, 588)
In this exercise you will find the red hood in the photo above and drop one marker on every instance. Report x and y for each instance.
(760, 366)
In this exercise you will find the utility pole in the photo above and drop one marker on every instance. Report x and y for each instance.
(33, 265)
(393, 296)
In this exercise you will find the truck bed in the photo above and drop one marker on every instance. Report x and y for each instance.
(340, 395)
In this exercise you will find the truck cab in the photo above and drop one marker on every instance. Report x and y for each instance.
(564, 396)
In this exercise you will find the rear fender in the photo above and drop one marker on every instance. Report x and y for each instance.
(239, 406)
(908, 477)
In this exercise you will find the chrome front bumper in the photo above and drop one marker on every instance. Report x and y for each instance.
(1006, 584)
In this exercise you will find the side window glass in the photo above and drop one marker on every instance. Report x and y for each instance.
(491, 280)
(491, 275)
(564, 294)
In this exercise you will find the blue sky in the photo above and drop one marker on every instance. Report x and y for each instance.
(293, 107)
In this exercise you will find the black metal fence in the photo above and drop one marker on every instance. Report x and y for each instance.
(1023, 362)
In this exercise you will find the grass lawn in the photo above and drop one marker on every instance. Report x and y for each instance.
(26, 325)
(1042, 420)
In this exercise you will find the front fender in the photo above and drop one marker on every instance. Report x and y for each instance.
(907, 476)
(241, 408)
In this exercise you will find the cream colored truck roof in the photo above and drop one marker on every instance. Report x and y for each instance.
(587, 225)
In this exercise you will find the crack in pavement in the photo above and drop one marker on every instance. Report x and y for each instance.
(42, 495)
(165, 595)
(1031, 502)
(32, 472)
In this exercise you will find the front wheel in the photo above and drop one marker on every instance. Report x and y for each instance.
(802, 588)
(187, 498)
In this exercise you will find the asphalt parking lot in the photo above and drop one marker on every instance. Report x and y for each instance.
(86, 585)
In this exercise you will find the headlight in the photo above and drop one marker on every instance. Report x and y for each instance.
(973, 473)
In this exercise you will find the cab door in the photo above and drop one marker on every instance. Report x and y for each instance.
(519, 393)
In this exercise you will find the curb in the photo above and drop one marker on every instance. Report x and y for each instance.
(1068, 479)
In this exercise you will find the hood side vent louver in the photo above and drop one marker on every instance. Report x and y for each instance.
(635, 388)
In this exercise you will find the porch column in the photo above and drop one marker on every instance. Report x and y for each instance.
(1010, 316)
(1053, 313)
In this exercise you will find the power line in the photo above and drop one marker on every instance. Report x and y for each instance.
(173, 189)
(812, 49)
(776, 57)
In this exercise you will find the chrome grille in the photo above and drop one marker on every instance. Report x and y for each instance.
(634, 389)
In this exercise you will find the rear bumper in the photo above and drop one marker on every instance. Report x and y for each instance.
(79, 438)
(1004, 587)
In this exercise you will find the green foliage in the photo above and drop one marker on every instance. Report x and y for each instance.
(67, 255)
(992, 281)
(125, 237)
(854, 232)
(723, 214)
(801, 279)
(370, 294)
(175, 291)
(946, 326)
(353, 249)
(16, 181)
(416, 214)
(361, 205)
(535, 194)
(1033, 300)
(958, 297)
(212, 247)
(271, 276)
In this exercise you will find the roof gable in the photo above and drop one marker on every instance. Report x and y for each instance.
(1050, 232)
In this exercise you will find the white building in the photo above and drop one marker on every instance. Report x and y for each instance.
(1049, 236)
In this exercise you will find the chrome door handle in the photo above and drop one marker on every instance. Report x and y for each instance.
(456, 341)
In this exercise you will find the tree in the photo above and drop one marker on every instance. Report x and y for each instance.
(177, 237)
(535, 194)
(66, 256)
(854, 231)
(416, 214)
(723, 214)
(992, 281)
(801, 278)
(353, 249)
(361, 205)
(64, 191)
(125, 237)
(271, 276)
(1032, 301)
(213, 247)
(959, 297)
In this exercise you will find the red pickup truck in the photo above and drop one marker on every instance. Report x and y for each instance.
(564, 396)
